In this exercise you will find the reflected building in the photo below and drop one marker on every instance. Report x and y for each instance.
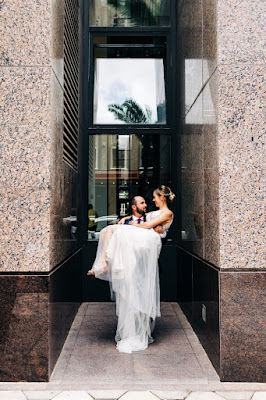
(125, 13)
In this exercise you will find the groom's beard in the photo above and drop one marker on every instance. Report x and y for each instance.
(141, 212)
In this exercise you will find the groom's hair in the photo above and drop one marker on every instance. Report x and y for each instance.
(133, 201)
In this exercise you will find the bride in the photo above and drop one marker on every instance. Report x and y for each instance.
(127, 257)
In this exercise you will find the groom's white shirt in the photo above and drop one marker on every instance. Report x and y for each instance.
(135, 219)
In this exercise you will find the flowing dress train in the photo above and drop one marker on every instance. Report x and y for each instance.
(127, 257)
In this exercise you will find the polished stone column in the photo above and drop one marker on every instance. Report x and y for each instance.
(38, 192)
(222, 179)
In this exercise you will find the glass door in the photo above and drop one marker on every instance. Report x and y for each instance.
(121, 167)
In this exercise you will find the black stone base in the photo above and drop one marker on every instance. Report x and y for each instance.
(233, 334)
(36, 314)
(24, 347)
(242, 332)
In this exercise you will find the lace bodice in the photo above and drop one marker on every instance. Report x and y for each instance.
(154, 214)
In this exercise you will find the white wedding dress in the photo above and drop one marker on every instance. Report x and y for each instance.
(127, 256)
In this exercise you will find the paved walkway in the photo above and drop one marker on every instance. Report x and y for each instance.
(175, 366)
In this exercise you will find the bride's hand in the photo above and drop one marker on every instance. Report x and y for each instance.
(132, 223)
(159, 229)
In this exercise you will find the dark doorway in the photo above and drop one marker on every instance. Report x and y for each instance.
(130, 143)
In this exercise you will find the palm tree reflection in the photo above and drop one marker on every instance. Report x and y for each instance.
(130, 112)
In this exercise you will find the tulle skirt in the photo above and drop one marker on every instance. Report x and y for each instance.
(127, 257)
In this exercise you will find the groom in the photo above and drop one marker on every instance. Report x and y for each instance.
(139, 208)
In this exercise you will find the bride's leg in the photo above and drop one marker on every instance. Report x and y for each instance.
(105, 236)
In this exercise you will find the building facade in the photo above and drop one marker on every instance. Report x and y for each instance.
(200, 131)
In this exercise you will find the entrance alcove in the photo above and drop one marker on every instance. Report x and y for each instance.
(132, 140)
(81, 133)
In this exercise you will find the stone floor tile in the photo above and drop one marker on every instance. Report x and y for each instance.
(170, 395)
(106, 394)
(174, 343)
(137, 395)
(259, 396)
(83, 308)
(207, 387)
(41, 395)
(207, 367)
(4, 386)
(247, 386)
(100, 309)
(99, 367)
(236, 395)
(167, 309)
(12, 395)
(173, 366)
(168, 321)
(204, 396)
(73, 395)
(192, 337)
(94, 363)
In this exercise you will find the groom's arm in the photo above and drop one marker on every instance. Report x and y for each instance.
(124, 220)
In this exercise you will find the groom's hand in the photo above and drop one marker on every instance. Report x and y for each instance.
(122, 221)
(159, 229)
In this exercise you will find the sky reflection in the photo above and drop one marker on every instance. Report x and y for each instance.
(119, 79)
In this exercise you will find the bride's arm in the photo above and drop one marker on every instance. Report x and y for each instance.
(160, 220)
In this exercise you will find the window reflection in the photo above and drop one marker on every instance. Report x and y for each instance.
(129, 13)
(129, 91)
(122, 166)
(129, 80)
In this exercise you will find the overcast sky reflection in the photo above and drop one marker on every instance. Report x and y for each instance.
(119, 79)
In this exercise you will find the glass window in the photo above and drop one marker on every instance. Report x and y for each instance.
(129, 13)
(129, 81)
(124, 166)
(120, 153)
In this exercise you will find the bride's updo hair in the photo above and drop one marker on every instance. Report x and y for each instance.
(166, 192)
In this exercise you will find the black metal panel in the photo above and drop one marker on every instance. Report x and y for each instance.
(184, 282)
(198, 296)
(65, 296)
(71, 82)
(92, 289)
(83, 122)
(168, 273)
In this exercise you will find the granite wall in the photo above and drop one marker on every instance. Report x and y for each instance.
(39, 189)
(222, 131)
(222, 182)
(39, 244)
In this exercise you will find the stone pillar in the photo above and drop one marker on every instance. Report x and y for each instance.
(240, 28)
(36, 189)
(221, 247)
